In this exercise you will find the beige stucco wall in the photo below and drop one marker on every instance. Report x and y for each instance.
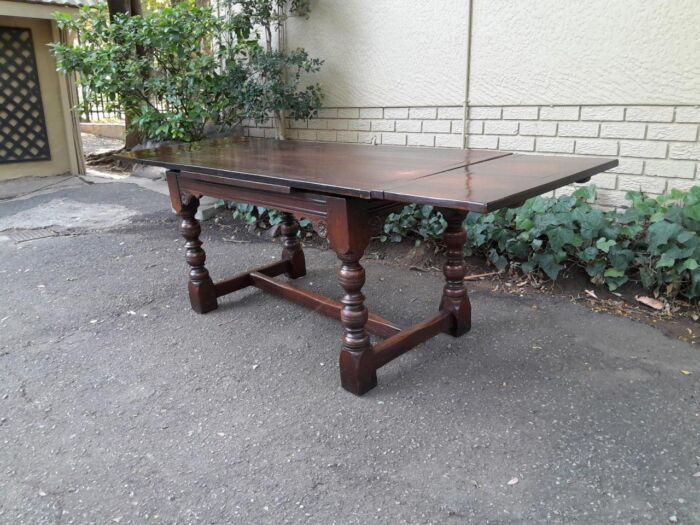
(585, 52)
(53, 106)
(387, 53)
(558, 52)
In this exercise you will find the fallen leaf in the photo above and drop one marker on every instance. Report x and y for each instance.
(513, 481)
(591, 293)
(650, 302)
(686, 372)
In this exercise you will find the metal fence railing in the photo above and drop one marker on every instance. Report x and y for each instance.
(94, 107)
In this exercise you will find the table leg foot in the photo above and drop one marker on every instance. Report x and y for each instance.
(454, 296)
(358, 374)
(201, 288)
(292, 250)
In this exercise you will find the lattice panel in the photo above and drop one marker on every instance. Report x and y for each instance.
(22, 125)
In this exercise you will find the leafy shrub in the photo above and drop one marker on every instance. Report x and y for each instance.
(154, 67)
(654, 241)
(175, 69)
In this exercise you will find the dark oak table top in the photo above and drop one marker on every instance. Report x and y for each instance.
(472, 179)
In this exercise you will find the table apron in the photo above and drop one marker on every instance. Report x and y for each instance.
(302, 203)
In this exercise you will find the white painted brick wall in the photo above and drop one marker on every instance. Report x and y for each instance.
(643, 148)
(396, 113)
(382, 125)
(410, 126)
(688, 114)
(423, 113)
(451, 113)
(521, 113)
(555, 145)
(371, 112)
(684, 132)
(649, 114)
(419, 139)
(500, 127)
(348, 112)
(437, 126)
(657, 146)
(603, 113)
(560, 113)
(579, 129)
(538, 128)
(517, 143)
(623, 130)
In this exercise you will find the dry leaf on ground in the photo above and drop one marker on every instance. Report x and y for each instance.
(650, 302)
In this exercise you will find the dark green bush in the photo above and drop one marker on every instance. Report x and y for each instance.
(176, 69)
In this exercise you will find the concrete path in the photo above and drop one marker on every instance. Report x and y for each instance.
(118, 404)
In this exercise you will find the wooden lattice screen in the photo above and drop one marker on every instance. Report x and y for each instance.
(22, 125)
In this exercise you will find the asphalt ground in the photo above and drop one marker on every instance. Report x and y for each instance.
(119, 404)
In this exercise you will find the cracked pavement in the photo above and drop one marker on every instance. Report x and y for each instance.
(118, 404)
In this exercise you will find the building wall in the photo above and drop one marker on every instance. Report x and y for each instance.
(585, 52)
(387, 53)
(53, 106)
(618, 79)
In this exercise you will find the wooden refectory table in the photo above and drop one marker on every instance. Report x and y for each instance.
(346, 191)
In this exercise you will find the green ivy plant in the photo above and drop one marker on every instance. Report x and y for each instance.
(259, 216)
(416, 221)
(654, 241)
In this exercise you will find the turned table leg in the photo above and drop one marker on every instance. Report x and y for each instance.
(357, 368)
(348, 234)
(201, 288)
(292, 250)
(454, 296)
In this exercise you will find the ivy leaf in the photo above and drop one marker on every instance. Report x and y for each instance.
(665, 261)
(659, 233)
(604, 244)
(588, 254)
(548, 264)
(613, 283)
(692, 212)
(524, 224)
(694, 284)
(560, 236)
(613, 272)
(685, 236)
(690, 264)
(498, 260)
